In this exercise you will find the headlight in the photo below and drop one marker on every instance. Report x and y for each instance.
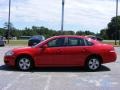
(9, 53)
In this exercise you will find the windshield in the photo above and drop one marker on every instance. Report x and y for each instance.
(42, 42)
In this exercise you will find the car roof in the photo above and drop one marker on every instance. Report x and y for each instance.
(37, 37)
(74, 36)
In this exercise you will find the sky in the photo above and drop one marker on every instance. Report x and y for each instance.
(92, 15)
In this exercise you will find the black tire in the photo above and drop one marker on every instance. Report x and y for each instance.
(4, 44)
(24, 63)
(93, 64)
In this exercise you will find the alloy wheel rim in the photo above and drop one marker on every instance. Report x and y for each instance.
(93, 64)
(24, 64)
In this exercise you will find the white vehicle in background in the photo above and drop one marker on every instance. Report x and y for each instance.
(2, 41)
(95, 37)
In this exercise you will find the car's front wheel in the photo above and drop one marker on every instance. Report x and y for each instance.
(24, 63)
(93, 63)
(4, 44)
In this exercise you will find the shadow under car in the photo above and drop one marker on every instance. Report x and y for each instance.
(55, 69)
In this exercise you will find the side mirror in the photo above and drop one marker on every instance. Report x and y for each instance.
(44, 46)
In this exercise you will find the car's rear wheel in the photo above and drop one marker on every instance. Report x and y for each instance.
(93, 63)
(24, 63)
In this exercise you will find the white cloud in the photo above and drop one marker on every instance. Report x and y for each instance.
(90, 14)
(86, 11)
(34, 10)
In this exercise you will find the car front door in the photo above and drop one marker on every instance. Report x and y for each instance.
(53, 53)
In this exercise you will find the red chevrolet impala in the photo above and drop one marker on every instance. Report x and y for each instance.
(62, 51)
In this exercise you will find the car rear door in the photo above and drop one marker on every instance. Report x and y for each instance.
(75, 52)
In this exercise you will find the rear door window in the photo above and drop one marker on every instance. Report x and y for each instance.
(76, 42)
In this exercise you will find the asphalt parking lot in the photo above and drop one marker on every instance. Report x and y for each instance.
(108, 78)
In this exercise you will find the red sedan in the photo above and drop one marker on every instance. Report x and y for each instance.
(62, 51)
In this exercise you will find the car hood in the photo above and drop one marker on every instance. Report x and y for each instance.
(22, 49)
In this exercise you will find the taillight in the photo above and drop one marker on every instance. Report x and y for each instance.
(112, 49)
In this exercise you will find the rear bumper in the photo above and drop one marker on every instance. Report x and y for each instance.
(110, 57)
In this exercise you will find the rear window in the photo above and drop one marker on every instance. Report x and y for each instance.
(89, 42)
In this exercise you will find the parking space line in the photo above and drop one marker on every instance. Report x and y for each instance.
(11, 83)
(48, 83)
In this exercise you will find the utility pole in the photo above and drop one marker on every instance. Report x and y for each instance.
(9, 20)
(116, 21)
(117, 29)
(62, 21)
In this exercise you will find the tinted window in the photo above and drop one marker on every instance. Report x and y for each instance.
(75, 42)
(56, 42)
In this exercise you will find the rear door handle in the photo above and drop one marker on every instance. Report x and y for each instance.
(59, 51)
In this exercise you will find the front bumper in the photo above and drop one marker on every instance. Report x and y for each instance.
(9, 60)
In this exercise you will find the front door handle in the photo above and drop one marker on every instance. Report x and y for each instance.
(83, 50)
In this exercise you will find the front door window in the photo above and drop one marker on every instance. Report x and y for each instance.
(56, 42)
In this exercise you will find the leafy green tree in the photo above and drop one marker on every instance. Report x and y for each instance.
(103, 34)
(112, 31)
(36, 30)
(11, 32)
(68, 32)
(80, 33)
(2, 31)
(89, 33)
(84, 33)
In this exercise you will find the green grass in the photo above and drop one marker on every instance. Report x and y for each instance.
(112, 42)
(17, 42)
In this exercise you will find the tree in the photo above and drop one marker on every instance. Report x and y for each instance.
(113, 28)
(37, 30)
(68, 32)
(2, 31)
(89, 33)
(84, 33)
(11, 33)
(103, 33)
(80, 33)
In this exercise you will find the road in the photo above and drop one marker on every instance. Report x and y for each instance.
(107, 78)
